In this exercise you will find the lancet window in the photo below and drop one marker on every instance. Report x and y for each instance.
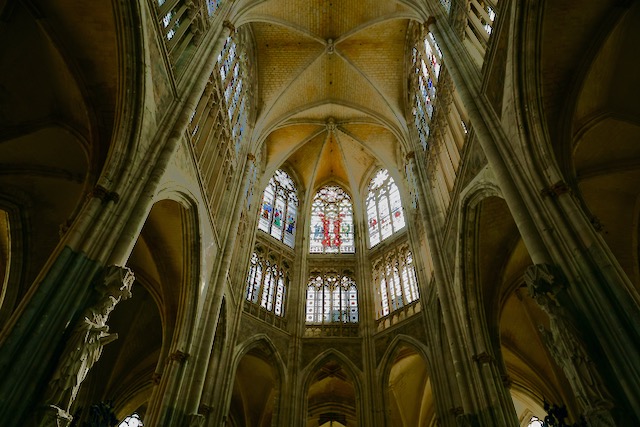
(331, 222)
(395, 281)
(267, 281)
(233, 70)
(181, 24)
(427, 62)
(331, 298)
(215, 134)
(480, 18)
(279, 210)
(384, 208)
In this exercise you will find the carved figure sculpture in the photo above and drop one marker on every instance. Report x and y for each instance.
(84, 347)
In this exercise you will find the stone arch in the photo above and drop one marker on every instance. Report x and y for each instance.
(405, 379)
(14, 256)
(340, 366)
(257, 364)
(168, 263)
(500, 317)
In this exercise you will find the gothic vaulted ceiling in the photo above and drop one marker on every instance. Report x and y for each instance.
(330, 86)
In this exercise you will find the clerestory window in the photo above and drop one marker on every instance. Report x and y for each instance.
(331, 298)
(280, 208)
(331, 222)
(267, 282)
(427, 62)
(395, 281)
(232, 67)
(384, 208)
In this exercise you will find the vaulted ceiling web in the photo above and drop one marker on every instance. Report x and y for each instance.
(331, 86)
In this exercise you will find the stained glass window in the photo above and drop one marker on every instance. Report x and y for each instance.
(331, 222)
(166, 20)
(427, 61)
(395, 280)
(132, 420)
(267, 283)
(213, 5)
(384, 208)
(232, 75)
(279, 210)
(331, 298)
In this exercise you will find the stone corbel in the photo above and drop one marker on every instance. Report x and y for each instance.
(483, 358)
(556, 190)
(542, 279)
(104, 195)
(156, 377)
(179, 356)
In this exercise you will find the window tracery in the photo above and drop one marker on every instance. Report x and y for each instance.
(331, 222)
(331, 298)
(233, 70)
(395, 280)
(267, 281)
(427, 62)
(385, 215)
(279, 210)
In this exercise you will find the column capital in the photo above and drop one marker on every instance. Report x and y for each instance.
(542, 279)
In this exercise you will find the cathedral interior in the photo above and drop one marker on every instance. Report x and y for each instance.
(319, 213)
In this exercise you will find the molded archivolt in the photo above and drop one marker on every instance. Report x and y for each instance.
(156, 323)
(258, 374)
(404, 375)
(603, 146)
(502, 318)
(331, 384)
(14, 257)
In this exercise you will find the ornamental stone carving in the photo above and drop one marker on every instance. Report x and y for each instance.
(85, 344)
(565, 345)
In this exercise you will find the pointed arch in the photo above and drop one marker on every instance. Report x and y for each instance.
(400, 359)
(334, 362)
(256, 364)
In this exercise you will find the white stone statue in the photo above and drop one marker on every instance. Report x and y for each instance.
(564, 342)
(84, 347)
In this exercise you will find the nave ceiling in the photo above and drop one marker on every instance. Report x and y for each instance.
(330, 86)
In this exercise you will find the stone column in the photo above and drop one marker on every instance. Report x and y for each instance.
(553, 226)
(206, 325)
(566, 346)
